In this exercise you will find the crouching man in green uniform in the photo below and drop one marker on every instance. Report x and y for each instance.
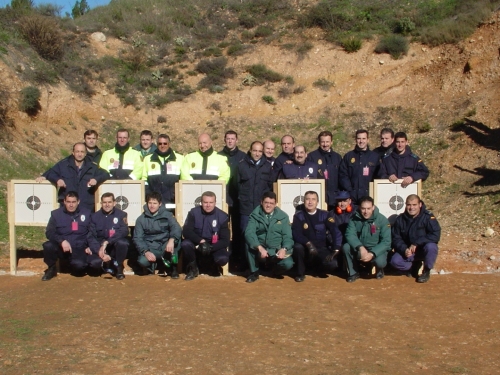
(157, 236)
(368, 237)
(269, 238)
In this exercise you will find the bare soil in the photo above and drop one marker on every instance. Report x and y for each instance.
(153, 325)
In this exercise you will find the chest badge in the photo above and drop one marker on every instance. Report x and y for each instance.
(306, 226)
(353, 160)
(82, 217)
(115, 220)
(320, 161)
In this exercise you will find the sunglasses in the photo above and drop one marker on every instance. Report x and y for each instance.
(163, 144)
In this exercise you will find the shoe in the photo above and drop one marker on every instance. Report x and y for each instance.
(425, 276)
(380, 273)
(174, 274)
(352, 278)
(119, 273)
(254, 276)
(415, 267)
(300, 278)
(192, 272)
(50, 273)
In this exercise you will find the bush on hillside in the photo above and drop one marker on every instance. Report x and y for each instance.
(262, 74)
(43, 34)
(30, 100)
(352, 44)
(395, 45)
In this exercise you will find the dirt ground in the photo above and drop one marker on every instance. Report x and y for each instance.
(154, 325)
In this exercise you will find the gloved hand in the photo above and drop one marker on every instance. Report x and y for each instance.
(205, 248)
(312, 249)
(332, 256)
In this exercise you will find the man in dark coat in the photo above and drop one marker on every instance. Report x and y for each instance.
(77, 173)
(108, 235)
(67, 233)
(300, 168)
(358, 168)
(287, 147)
(402, 163)
(415, 236)
(328, 163)
(386, 143)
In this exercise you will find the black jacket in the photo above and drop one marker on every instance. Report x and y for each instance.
(278, 164)
(328, 169)
(61, 228)
(77, 180)
(351, 172)
(403, 165)
(234, 157)
(201, 225)
(320, 229)
(107, 227)
(342, 219)
(419, 231)
(253, 181)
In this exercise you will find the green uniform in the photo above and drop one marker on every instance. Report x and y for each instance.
(206, 166)
(273, 233)
(373, 233)
(129, 169)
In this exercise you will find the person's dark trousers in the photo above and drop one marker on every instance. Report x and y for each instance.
(79, 260)
(188, 248)
(318, 263)
(118, 251)
(237, 241)
(428, 253)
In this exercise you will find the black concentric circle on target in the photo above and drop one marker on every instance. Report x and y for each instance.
(396, 203)
(197, 202)
(298, 200)
(122, 202)
(33, 203)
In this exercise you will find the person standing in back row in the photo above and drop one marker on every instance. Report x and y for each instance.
(122, 162)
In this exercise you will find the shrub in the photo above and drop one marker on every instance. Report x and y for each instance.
(247, 35)
(424, 127)
(161, 119)
(43, 34)
(323, 84)
(4, 99)
(299, 90)
(236, 49)
(304, 48)
(262, 73)
(263, 31)
(212, 51)
(352, 44)
(404, 26)
(30, 100)
(284, 92)
(289, 80)
(268, 99)
(247, 21)
(395, 45)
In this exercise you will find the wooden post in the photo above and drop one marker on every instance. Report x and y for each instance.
(12, 229)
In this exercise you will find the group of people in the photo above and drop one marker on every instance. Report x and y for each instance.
(351, 234)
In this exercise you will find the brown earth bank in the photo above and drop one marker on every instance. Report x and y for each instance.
(153, 325)
(429, 85)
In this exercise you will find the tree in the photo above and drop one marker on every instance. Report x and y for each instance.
(21, 4)
(80, 8)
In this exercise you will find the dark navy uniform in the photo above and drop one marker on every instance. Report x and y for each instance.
(77, 179)
(328, 169)
(254, 179)
(357, 170)
(211, 227)
(234, 157)
(279, 162)
(383, 151)
(95, 156)
(113, 228)
(423, 231)
(342, 218)
(319, 229)
(403, 165)
(299, 171)
(74, 228)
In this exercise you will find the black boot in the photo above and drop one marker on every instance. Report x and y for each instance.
(192, 271)
(119, 273)
(50, 273)
(174, 274)
(425, 276)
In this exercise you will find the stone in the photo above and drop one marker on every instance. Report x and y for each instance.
(492, 257)
(381, 62)
(98, 37)
(489, 232)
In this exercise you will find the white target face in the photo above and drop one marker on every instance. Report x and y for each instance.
(129, 197)
(33, 203)
(291, 194)
(390, 197)
(190, 196)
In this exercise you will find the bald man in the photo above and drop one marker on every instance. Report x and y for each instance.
(205, 163)
(269, 148)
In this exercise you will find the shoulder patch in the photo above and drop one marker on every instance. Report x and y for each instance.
(331, 220)
(389, 225)
(415, 156)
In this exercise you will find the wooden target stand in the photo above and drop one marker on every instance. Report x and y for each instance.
(290, 194)
(29, 204)
(188, 195)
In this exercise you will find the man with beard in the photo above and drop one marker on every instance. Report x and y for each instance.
(328, 163)
(358, 168)
(76, 173)
(205, 164)
(415, 235)
(162, 170)
(122, 162)
(402, 163)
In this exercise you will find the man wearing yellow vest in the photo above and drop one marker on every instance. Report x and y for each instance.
(162, 170)
(205, 164)
(122, 162)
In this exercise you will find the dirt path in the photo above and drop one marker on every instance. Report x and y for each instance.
(152, 325)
